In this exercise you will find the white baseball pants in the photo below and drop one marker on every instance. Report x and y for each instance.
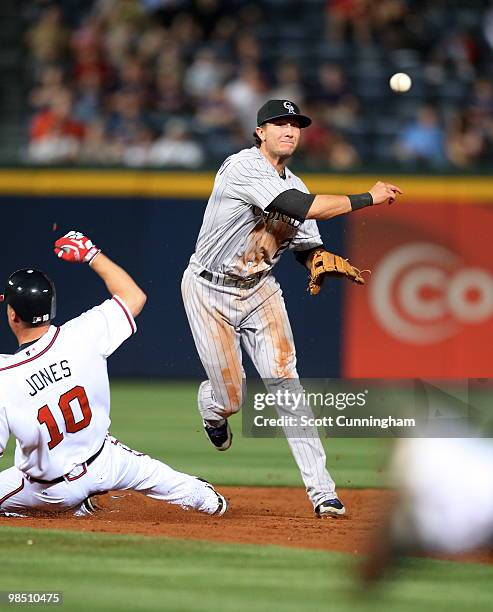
(116, 468)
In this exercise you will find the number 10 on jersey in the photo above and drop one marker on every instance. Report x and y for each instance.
(45, 415)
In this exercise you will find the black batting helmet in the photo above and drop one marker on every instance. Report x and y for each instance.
(32, 295)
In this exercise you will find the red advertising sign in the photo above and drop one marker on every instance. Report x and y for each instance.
(427, 309)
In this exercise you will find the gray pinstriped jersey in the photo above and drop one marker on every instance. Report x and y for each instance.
(238, 237)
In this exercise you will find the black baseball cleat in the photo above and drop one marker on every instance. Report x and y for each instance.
(221, 437)
(330, 508)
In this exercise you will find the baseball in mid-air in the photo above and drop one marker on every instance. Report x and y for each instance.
(400, 82)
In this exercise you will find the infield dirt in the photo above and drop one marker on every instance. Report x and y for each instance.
(258, 515)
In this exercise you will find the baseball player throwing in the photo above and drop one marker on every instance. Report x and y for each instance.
(257, 210)
(55, 399)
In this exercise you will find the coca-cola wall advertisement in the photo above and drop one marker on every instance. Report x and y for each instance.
(427, 308)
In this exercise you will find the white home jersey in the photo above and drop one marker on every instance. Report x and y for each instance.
(238, 237)
(54, 393)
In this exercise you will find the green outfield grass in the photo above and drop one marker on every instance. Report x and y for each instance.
(162, 420)
(107, 572)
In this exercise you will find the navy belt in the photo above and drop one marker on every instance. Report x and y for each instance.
(62, 478)
(230, 281)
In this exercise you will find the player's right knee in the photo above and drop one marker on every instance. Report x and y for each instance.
(235, 400)
(231, 409)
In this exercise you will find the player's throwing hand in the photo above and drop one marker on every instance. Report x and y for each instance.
(384, 193)
(76, 248)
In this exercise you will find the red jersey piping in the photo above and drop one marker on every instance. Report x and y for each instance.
(124, 308)
(47, 348)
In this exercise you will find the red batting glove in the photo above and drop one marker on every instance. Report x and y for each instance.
(76, 248)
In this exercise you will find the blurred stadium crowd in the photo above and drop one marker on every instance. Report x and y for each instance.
(178, 82)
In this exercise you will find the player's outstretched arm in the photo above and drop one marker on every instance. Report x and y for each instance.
(328, 206)
(118, 282)
(77, 248)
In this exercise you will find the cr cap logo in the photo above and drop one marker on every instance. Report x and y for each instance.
(289, 107)
(422, 292)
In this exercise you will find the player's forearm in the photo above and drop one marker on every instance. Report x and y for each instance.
(328, 206)
(118, 282)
